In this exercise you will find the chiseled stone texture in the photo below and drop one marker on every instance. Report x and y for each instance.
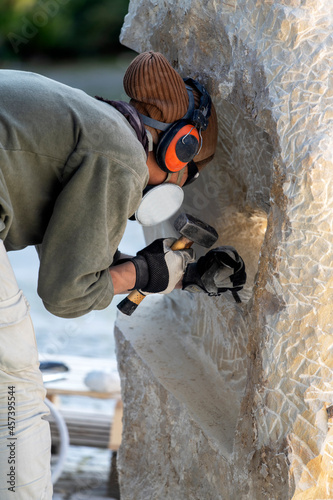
(269, 192)
(170, 457)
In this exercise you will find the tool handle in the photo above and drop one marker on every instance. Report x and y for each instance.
(130, 303)
(181, 243)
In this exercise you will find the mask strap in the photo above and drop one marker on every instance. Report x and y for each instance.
(167, 178)
(200, 142)
(179, 178)
(192, 173)
(150, 141)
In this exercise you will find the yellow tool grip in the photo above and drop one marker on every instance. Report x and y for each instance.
(181, 244)
(136, 297)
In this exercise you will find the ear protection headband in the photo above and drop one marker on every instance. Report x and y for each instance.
(181, 141)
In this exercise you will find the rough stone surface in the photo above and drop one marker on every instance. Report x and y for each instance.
(262, 368)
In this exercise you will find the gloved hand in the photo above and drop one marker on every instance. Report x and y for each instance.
(221, 269)
(158, 268)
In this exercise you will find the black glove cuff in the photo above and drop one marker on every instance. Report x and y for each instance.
(120, 261)
(142, 272)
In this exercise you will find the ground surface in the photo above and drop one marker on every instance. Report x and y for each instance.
(85, 475)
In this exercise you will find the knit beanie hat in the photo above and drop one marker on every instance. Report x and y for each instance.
(158, 91)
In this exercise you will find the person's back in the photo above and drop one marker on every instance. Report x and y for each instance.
(47, 129)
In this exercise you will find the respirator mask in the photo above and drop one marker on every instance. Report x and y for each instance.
(160, 203)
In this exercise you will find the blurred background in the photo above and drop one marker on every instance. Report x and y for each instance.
(77, 43)
(74, 41)
(58, 30)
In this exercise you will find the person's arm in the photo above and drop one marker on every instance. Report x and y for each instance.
(87, 224)
(123, 277)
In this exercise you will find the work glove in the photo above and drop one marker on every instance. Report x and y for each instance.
(158, 268)
(221, 269)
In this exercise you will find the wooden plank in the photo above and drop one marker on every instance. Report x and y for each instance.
(117, 427)
(84, 429)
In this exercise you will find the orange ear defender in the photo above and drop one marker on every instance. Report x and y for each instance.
(181, 140)
(177, 147)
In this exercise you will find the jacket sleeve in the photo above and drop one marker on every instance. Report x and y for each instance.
(87, 224)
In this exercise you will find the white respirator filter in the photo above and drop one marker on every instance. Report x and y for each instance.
(159, 204)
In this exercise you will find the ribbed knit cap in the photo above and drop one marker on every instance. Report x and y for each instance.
(158, 91)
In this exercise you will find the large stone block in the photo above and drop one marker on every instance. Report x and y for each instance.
(226, 401)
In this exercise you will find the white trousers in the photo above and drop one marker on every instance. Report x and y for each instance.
(25, 441)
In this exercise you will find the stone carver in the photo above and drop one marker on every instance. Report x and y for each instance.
(74, 169)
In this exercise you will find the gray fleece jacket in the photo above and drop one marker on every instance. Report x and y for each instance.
(71, 173)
